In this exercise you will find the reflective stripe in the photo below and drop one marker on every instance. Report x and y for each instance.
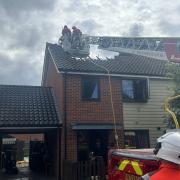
(134, 164)
(137, 168)
(123, 165)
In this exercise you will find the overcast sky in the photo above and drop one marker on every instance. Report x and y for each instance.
(26, 26)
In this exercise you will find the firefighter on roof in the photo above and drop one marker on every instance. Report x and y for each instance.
(66, 31)
(168, 151)
(76, 37)
(66, 39)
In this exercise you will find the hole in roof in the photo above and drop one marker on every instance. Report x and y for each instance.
(102, 54)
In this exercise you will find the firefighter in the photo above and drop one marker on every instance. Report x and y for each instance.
(76, 37)
(66, 31)
(65, 40)
(168, 152)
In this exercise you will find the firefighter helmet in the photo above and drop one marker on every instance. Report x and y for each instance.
(168, 147)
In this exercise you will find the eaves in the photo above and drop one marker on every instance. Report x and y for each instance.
(114, 75)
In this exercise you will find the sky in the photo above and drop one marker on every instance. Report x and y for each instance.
(26, 26)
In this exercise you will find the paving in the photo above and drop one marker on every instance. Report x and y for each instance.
(25, 174)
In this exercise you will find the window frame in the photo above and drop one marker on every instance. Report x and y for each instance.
(138, 132)
(136, 100)
(82, 88)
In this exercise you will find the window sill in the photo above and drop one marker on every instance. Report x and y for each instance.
(91, 100)
(134, 101)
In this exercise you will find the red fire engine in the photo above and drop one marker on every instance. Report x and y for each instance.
(126, 164)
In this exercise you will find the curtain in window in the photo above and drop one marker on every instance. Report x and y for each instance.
(128, 90)
(90, 89)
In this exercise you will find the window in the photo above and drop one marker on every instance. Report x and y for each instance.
(90, 88)
(136, 139)
(135, 90)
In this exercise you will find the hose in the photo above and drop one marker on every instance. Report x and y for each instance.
(167, 109)
(112, 103)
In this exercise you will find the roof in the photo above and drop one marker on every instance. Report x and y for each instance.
(126, 64)
(27, 106)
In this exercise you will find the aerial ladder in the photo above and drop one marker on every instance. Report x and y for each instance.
(163, 48)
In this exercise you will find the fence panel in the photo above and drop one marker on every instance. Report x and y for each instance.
(90, 170)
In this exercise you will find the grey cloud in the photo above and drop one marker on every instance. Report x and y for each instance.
(90, 26)
(16, 6)
(169, 28)
(26, 37)
(74, 6)
(136, 29)
(21, 71)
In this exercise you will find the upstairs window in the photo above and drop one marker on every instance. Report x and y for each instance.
(135, 90)
(90, 88)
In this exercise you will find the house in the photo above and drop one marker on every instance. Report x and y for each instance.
(83, 98)
(81, 88)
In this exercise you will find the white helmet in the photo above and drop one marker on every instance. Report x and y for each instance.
(168, 147)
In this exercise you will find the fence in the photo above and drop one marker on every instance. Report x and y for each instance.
(88, 170)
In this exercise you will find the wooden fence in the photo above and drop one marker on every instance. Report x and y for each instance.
(89, 170)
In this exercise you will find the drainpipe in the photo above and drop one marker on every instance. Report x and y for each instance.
(65, 118)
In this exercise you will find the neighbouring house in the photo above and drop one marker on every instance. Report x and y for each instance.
(30, 111)
(144, 117)
(81, 88)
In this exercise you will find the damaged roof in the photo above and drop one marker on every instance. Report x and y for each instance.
(126, 64)
(27, 106)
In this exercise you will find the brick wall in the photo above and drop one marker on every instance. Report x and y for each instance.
(53, 79)
(86, 111)
(92, 112)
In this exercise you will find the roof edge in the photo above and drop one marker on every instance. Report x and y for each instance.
(115, 75)
(56, 107)
(53, 59)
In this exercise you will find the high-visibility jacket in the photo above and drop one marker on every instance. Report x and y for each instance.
(166, 171)
(66, 31)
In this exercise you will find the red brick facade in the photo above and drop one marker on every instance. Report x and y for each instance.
(79, 111)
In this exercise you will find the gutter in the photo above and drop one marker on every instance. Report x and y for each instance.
(115, 75)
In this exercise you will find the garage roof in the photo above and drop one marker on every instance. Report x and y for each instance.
(28, 106)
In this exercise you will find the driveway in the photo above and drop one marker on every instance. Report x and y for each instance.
(25, 174)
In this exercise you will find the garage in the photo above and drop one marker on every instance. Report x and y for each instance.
(30, 130)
